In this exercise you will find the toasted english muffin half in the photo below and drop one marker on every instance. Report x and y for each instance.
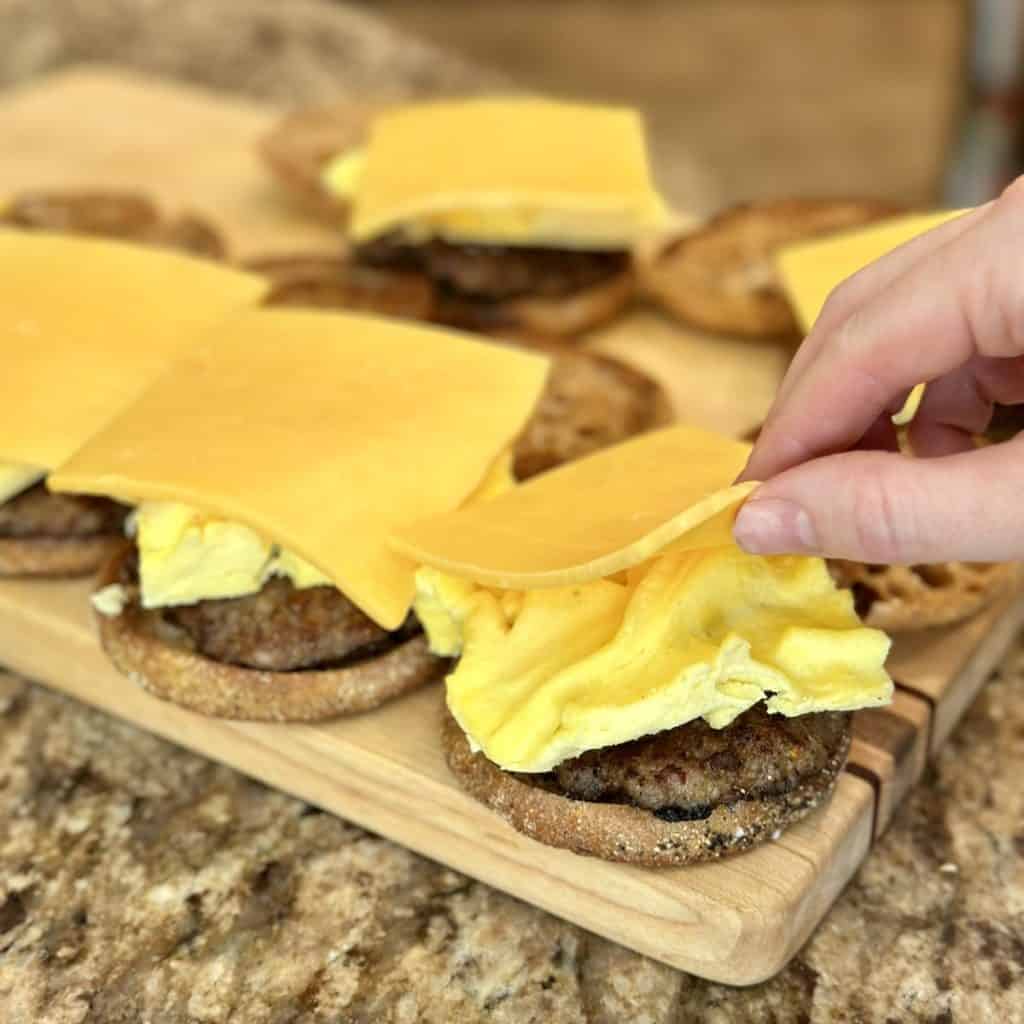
(561, 316)
(620, 829)
(158, 655)
(590, 401)
(901, 598)
(314, 281)
(299, 147)
(721, 277)
(128, 216)
(338, 282)
(51, 535)
(49, 557)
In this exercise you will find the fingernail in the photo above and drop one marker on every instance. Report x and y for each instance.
(773, 526)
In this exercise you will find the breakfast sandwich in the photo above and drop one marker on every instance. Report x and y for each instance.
(85, 325)
(128, 216)
(518, 213)
(629, 684)
(722, 277)
(265, 471)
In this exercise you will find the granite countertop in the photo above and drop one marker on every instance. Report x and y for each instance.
(140, 883)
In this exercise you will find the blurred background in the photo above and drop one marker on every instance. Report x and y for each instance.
(914, 100)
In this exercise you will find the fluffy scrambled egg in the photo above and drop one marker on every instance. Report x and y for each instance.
(185, 557)
(15, 478)
(342, 174)
(547, 674)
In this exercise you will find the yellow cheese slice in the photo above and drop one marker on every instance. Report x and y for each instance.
(85, 325)
(15, 478)
(811, 270)
(509, 172)
(321, 432)
(548, 674)
(594, 517)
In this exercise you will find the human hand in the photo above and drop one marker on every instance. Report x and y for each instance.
(947, 308)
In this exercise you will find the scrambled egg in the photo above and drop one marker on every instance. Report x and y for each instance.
(547, 674)
(15, 478)
(185, 557)
(342, 174)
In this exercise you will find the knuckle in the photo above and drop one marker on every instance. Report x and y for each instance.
(883, 527)
(1013, 195)
(842, 299)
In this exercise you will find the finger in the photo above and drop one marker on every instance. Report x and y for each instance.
(930, 440)
(963, 296)
(882, 508)
(872, 279)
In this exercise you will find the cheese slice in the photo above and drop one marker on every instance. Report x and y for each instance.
(322, 433)
(594, 517)
(811, 270)
(545, 675)
(15, 478)
(85, 325)
(507, 172)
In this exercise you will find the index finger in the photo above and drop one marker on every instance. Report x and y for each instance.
(920, 325)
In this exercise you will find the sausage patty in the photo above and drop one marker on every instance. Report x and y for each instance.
(496, 272)
(38, 513)
(283, 628)
(684, 773)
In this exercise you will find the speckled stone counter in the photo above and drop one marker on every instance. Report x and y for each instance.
(139, 883)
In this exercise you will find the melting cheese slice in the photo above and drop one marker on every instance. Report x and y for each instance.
(322, 433)
(507, 172)
(86, 325)
(594, 517)
(15, 478)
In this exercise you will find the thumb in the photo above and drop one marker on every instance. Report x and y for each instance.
(885, 508)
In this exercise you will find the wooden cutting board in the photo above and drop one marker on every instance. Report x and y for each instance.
(736, 921)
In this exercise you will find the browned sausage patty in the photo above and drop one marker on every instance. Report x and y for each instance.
(496, 271)
(282, 628)
(684, 773)
(38, 513)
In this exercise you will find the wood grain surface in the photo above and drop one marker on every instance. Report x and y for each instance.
(737, 921)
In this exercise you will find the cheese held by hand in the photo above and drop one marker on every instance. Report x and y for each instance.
(85, 326)
(269, 467)
(811, 270)
(520, 212)
(605, 603)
